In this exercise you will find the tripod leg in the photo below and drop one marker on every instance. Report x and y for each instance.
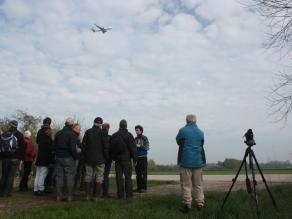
(264, 180)
(234, 180)
(254, 186)
(247, 181)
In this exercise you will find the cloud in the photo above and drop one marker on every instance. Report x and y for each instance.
(161, 61)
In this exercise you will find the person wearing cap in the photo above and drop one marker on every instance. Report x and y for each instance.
(44, 155)
(123, 151)
(65, 155)
(95, 151)
(28, 160)
(191, 159)
(10, 163)
(142, 145)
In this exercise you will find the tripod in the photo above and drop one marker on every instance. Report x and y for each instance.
(251, 189)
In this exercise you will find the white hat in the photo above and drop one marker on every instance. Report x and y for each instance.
(69, 121)
(27, 134)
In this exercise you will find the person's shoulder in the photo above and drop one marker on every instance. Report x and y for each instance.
(144, 137)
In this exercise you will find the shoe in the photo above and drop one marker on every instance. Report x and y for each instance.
(199, 207)
(185, 209)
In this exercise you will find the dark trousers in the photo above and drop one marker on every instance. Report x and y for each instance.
(124, 187)
(50, 180)
(80, 176)
(10, 167)
(26, 171)
(105, 185)
(141, 173)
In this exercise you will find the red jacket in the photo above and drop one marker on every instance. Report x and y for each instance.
(29, 150)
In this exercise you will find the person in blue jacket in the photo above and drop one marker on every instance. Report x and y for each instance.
(191, 159)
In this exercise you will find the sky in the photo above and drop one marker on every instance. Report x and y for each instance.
(161, 61)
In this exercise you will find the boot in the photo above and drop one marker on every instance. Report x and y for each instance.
(70, 193)
(87, 191)
(59, 194)
(98, 189)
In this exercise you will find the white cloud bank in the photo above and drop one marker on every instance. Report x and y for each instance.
(162, 60)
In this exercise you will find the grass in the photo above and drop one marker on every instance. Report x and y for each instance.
(225, 172)
(240, 206)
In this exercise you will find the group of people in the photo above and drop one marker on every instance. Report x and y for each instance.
(67, 163)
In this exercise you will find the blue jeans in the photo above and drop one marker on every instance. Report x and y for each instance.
(107, 169)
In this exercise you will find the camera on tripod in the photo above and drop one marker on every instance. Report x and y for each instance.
(249, 140)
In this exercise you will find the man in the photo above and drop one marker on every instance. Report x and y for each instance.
(142, 145)
(191, 159)
(10, 162)
(44, 155)
(122, 151)
(65, 154)
(95, 155)
(28, 160)
(107, 168)
(79, 169)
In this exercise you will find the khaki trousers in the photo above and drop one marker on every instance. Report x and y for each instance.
(192, 179)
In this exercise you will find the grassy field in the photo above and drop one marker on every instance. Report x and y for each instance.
(224, 172)
(240, 205)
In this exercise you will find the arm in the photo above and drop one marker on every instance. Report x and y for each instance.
(132, 147)
(145, 145)
(72, 145)
(179, 138)
(105, 142)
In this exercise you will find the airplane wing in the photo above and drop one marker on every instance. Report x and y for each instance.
(109, 28)
(98, 27)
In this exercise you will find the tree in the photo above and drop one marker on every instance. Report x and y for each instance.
(278, 16)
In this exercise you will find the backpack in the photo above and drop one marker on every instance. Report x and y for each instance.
(8, 143)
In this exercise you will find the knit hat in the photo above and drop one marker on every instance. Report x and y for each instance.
(13, 123)
(47, 121)
(69, 121)
(98, 121)
(27, 134)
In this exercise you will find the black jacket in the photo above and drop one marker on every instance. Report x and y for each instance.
(45, 147)
(95, 147)
(122, 146)
(65, 143)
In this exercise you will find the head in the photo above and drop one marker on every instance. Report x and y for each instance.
(47, 121)
(105, 127)
(13, 124)
(139, 129)
(191, 118)
(123, 124)
(27, 134)
(69, 122)
(98, 122)
(76, 128)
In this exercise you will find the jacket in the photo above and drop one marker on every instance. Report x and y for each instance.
(65, 143)
(142, 151)
(20, 152)
(191, 152)
(45, 147)
(122, 146)
(95, 149)
(29, 150)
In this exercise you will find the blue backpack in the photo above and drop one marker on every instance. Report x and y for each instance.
(8, 144)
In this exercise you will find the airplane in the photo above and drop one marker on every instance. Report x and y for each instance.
(102, 29)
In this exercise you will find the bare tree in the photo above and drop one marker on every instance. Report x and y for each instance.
(278, 15)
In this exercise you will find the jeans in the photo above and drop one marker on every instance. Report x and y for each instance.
(65, 170)
(106, 173)
(141, 173)
(39, 182)
(124, 187)
(26, 171)
(10, 167)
